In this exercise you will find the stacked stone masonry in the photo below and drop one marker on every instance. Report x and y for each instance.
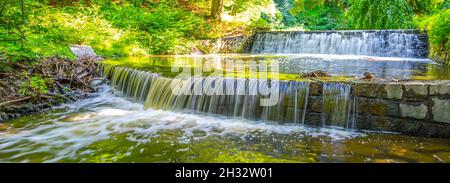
(419, 108)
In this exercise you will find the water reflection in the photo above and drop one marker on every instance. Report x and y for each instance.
(293, 65)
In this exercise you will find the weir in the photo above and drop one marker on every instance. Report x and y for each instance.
(383, 43)
(244, 101)
(411, 107)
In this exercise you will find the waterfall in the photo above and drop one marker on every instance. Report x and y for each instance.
(236, 97)
(383, 43)
(338, 105)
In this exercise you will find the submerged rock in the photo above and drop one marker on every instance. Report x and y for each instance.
(95, 82)
(315, 74)
(3, 116)
(81, 51)
(368, 76)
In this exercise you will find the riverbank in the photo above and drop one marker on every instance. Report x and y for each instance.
(30, 88)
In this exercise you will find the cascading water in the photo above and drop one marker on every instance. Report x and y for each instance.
(237, 97)
(338, 105)
(384, 43)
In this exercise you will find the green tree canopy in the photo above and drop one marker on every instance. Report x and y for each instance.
(380, 14)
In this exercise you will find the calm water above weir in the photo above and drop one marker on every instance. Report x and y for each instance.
(125, 125)
(290, 66)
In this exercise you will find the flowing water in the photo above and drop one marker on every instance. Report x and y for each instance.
(386, 43)
(235, 107)
(137, 119)
(290, 66)
(107, 128)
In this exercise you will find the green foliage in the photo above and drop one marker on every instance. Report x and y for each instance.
(30, 29)
(164, 30)
(312, 14)
(302, 5)
(323, 18)
(13, 17)
(380, 14)
(32, 86)
(438, 26)
(239, 6)
(425, 6)
(264, 23)
(112, 29)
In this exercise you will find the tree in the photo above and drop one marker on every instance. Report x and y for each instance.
(380, 14)
(216, 9)
(13, 18)
(423, 6)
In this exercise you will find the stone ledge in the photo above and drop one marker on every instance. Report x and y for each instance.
(441, 110)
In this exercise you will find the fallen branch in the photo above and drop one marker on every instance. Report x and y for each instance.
(15, 101)
(47, 97)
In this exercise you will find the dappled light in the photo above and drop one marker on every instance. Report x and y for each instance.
(225, 81)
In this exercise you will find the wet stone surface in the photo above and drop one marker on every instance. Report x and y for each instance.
(414, 111)
(441, 110)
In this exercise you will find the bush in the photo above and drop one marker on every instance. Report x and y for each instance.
(32, 86)
(323, 18)
(438, 26)
(111, 29)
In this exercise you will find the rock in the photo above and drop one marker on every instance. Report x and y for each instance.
(315, 74)
(5, 116)
(363, 106)
(316, 104)
(81, 51)
(394, 91)
(381, 123)
(440, 88)
(11, 116)
(371, 90)
(47, 105)
(379, 107)
(315, 88)
(195, 51)
(97, 82)
(441, 110)
(368, 76)
(413, 111)
(416, 89)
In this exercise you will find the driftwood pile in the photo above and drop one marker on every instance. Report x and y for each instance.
(9, 86)
(71, 74)
(65, 75)
(315, 74)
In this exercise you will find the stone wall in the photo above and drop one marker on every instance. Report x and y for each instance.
(234, 44)
(420, 108)
(230, 44)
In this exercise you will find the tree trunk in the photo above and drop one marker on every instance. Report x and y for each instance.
(216, 9)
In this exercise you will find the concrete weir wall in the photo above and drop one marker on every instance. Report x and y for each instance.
(410, 43)
(420, 108)
(234, 44)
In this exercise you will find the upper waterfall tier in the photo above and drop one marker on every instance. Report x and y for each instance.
(384, 43)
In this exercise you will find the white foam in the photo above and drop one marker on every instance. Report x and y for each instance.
(99, 118)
